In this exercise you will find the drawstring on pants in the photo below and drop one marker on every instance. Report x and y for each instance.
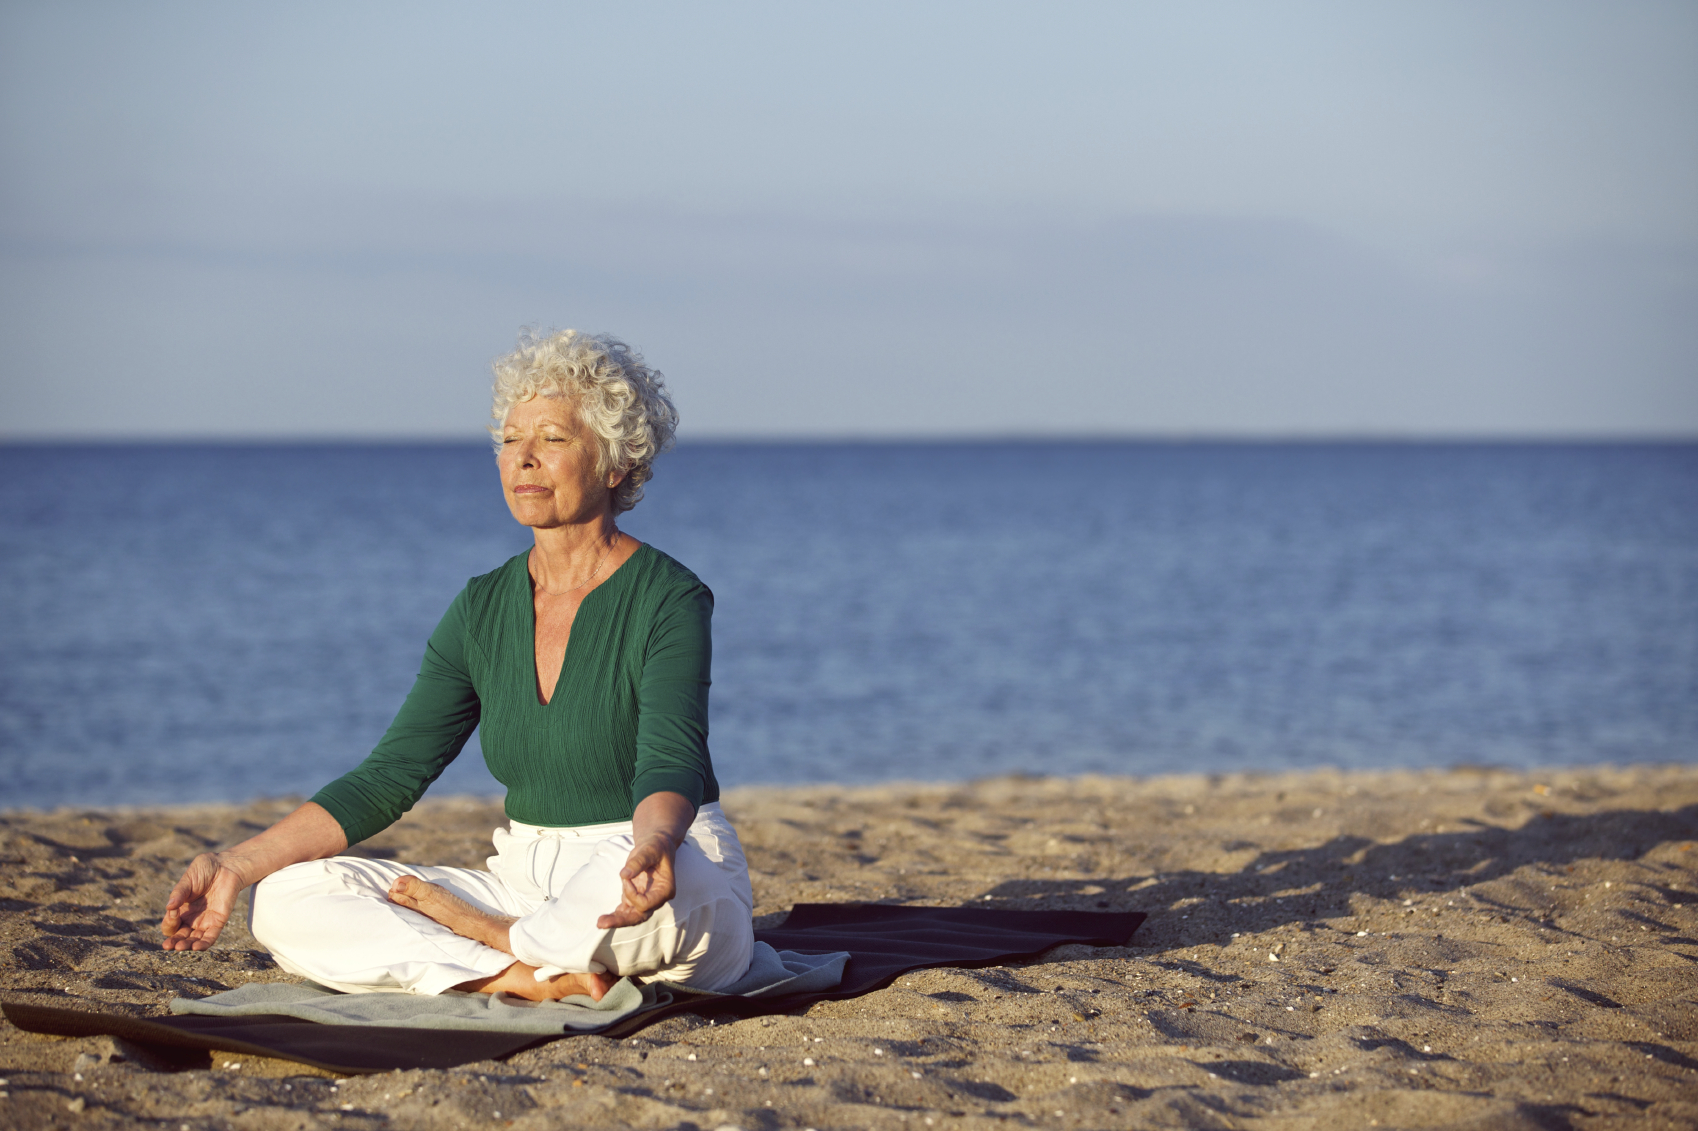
(553, 862)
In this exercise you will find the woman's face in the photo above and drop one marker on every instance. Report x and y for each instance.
(548, 465)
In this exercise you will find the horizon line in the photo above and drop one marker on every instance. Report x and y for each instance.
(307, 439)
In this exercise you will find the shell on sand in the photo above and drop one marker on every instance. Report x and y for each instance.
(1471, 947)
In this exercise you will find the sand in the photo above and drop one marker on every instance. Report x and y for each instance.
(1466, 948)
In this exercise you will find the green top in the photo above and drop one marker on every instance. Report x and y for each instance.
(628, 717)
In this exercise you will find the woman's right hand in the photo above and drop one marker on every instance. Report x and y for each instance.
(201, 903)
(204, 899)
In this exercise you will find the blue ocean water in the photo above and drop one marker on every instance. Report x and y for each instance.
(184, 623)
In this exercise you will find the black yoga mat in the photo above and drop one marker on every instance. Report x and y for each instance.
(884, 940)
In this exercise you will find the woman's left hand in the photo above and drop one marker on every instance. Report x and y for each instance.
(646, 882)
(659, 825)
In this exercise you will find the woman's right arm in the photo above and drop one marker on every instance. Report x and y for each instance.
(205, 897)
(430, 729)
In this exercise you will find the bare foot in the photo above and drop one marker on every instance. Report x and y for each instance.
(451, 911)
(520, 980)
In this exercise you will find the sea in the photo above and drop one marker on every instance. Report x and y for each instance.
(192, 623)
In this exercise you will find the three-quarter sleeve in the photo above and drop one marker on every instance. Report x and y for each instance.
(672, 705)
(429, 731)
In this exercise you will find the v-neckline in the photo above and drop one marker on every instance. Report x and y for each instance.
(572, 636)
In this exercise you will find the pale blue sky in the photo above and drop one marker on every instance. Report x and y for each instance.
(871, 219)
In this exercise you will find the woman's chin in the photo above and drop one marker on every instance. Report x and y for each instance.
(532, 512)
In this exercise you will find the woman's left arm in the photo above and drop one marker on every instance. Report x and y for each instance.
(660, 823)
(672, 759)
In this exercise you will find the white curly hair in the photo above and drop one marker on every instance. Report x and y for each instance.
(621, 400)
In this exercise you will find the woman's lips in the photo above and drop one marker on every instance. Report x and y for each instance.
(529, 489)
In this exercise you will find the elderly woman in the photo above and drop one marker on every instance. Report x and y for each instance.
(585, 661)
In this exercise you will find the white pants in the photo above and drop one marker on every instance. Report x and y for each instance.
(331, 920)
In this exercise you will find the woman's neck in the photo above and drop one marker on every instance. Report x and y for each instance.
(566, 558)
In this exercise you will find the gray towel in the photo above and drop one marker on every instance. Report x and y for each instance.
(771, 974)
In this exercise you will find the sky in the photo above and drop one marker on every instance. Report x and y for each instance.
(1197, 218)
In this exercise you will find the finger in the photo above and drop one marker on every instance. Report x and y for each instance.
(194, 881)
(643, 900)
(180, 895)
(633, 909)
(182, 917)
(643, 904)
(194, 922)
(639, 862)
(204, 936)
(623, 917)
(660, 888)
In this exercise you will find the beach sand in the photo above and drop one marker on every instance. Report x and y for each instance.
(1463, 948)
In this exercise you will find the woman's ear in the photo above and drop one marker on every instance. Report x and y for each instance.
(616, 478)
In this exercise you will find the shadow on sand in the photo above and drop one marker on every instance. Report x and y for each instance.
(1297, 886)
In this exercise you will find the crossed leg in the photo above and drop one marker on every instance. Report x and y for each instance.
(519, 979)
(373, 926)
